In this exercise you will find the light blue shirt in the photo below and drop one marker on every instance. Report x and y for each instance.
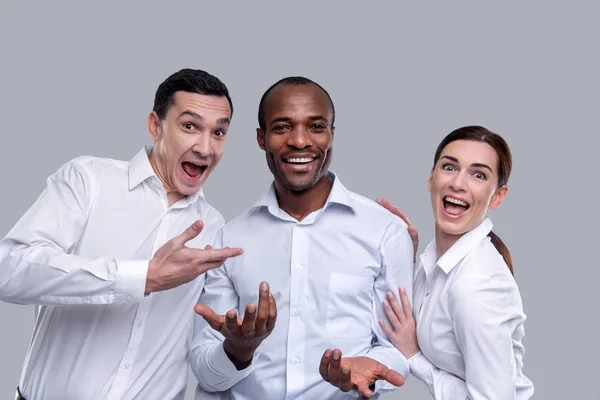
(329, 274)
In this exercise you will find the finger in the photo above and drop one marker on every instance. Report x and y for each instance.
(405, 302)
(389, 375)
(363, 390)
(396, 307)
(263, 308)
(249, 319)
(272, 313)
(386, 329)
(191, 232)
(207, 247)
(345, 379)
(391, 316)
(394, 210)
(214, 320)
(334, 367)
(231, 322)
(324, 365)
(217, 254)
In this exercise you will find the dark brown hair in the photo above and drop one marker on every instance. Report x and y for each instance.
(481, 134)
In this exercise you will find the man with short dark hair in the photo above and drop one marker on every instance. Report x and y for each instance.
(324, 259)
(114, 253)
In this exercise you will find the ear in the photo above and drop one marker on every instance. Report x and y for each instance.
(154, 126)
(260, 138)
(332, 131)
(498, 197)
(429, 181)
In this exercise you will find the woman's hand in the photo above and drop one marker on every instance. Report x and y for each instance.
(403, 333)
(412, 231)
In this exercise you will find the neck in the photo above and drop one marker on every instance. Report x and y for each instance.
(443, 241)
(301, 204)
(173, 196)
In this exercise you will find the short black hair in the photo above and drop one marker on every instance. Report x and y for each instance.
(188, 80)
(290, 80)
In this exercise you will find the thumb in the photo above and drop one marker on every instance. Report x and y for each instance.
(191, 232)
(389, 375)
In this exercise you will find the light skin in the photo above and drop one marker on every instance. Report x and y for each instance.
(468, 171)
(188, 144)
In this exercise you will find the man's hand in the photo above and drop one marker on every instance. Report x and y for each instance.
(412, 231)
(243, 336)
(355, 372)
(175, 264)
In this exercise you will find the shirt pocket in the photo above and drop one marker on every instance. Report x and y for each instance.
(349, 307)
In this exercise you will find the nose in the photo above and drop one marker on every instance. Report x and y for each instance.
(202, 146)
(299, 138)
(459, 183)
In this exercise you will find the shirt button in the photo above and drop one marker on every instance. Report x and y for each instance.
(298, 266)
(86, 300)
(126, 366)
(295, 311)
(295, 360)
(140, 323)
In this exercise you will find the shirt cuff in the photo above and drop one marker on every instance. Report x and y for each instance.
(391, 358)
(131, 279)
(420, 367)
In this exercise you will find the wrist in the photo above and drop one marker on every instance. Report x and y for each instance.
(239, 356)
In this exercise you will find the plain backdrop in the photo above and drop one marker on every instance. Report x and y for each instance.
(79, 78)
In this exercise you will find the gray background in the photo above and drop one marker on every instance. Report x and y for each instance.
(80, 79)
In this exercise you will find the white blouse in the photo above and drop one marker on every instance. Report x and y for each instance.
(469, 319)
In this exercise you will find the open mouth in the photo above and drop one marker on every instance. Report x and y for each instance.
(454, 206)
(192, 169)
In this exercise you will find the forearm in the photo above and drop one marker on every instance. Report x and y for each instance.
(441, 384)
(40, 273)
(213, 367)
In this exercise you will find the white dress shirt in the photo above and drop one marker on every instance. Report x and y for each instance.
(469, 319)
(328, 274)
(82, 253)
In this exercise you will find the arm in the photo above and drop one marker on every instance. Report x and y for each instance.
(383, 367)
(484, 320)
(223, 349)
(397, 254)
(36, 264)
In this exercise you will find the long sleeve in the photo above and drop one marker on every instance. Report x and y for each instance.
(441, 384)
(209, 362)
(37, 260)
(483, 330)
(397, 269)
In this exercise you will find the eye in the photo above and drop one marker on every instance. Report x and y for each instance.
(279, 128)
(448, 167)
(318, 127)
(188, 126)
(479, 175)
(220, 133)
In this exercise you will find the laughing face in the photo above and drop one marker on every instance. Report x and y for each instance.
(189, 142)
(463, 187)
(298, 135)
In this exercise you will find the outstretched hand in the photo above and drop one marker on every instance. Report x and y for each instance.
(355, 372)
(243, 336)
(174, 263)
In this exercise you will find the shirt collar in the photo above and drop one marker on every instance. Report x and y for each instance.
(140, 170)
(338, 195)
(457, 251)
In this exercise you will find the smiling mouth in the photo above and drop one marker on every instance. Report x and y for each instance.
(299, 160)
(192, 169)
(454, 206)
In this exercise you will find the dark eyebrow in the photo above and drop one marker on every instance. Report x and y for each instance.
(312, 118)
(476, 165)
(317, 118)
(200, 118)
(281, 119)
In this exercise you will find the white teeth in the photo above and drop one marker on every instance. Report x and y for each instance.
(455, 201)
(299, 160)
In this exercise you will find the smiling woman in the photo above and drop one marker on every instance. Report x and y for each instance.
(465, 339)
